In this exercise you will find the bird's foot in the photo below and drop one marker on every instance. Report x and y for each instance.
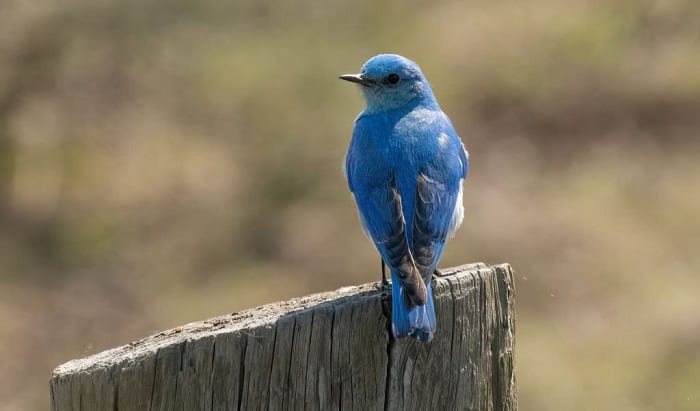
(385, 282)
(385, 285)
(439, 274)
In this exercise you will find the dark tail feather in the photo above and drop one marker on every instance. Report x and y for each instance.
(418, 322)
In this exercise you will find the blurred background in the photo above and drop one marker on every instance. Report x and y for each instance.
(166, 162)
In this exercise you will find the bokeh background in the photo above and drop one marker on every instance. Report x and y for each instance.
(165, 162)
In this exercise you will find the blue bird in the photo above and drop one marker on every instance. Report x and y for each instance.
(405, 167)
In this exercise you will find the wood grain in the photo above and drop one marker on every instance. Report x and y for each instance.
(326, 351)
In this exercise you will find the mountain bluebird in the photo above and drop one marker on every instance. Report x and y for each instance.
(405, 167)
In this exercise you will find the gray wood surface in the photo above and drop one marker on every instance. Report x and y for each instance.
(326, 351)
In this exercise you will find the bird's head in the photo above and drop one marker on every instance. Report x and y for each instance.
(390, 81)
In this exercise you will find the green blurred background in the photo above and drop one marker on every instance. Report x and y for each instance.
(165, 162)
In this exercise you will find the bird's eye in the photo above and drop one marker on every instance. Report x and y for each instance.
(392, 78)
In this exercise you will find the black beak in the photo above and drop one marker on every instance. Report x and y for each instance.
(357, 78)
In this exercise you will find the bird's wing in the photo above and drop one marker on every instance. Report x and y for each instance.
(379, 205)
(380, 210)
(438, 210)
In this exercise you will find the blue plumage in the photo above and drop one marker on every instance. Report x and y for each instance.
(405, 166)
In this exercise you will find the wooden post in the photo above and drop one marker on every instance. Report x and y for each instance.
(327, 351)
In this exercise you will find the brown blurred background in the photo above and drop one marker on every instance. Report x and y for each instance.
(165, 162)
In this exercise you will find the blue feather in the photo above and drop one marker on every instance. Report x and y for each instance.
(405, 166)
(418, 322)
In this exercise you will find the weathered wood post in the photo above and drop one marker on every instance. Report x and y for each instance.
(327, 351)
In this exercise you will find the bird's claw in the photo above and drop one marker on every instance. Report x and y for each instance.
(439, 274)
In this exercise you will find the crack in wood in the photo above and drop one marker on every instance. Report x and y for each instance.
(153, 384)
(211, 375)
(241, 382)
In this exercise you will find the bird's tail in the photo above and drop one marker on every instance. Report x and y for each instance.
(418, 322)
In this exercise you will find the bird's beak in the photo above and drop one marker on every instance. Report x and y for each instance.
(357, 78)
